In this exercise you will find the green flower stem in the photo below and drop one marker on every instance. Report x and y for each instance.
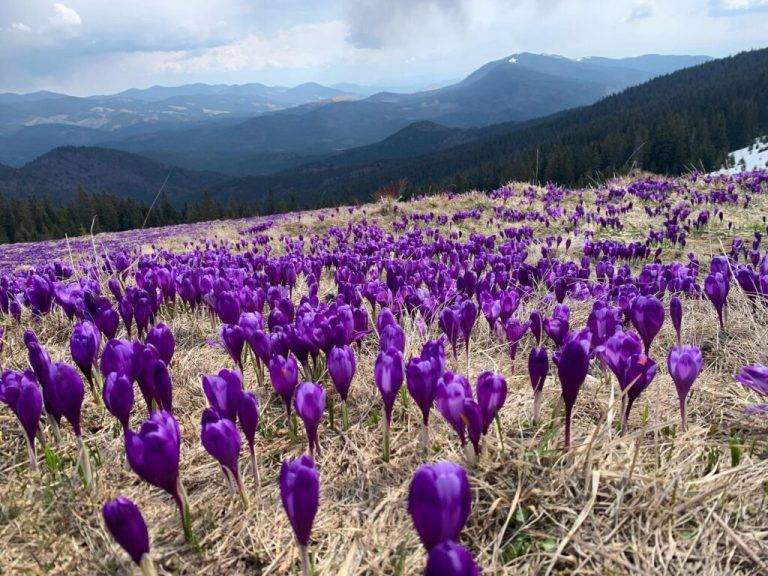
(330, 411)
(255, 469)
(345, 415)
(304, 554)
(32, 456)
(386, 440)
(186, 517)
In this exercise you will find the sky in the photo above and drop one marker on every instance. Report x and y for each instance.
(85, 47)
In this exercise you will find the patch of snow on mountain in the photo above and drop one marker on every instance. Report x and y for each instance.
(750, 158)
(512, 60)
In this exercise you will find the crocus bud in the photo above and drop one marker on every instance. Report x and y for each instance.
(572, 362)
(118, 397)
(676, 314)
(161, 337)
(684, 364)
(450, 323)
(221, 440)
(155, 451)
(439, 502)
(68, 393)
(716, 287)
(341, 367)
(84, 345)
(20, 392)
(538, 368)
(450, 559)
(467, 317)
(118, 357)
(422, 382)
(284, 373)
(537, 326)
(388, 375)
(300, 495)
(640, 371)
(223, 391)
(310, 405)
(647, 316)
(126, 524)
(233, 338)
(392, 336)
(248, 416)
(491, 395)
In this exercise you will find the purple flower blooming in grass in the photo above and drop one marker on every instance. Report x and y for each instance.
(421, 380)
(491, 395)
(221, 439)
(467, 317)
(118, 397)
(439, 502)
(647, 316)
(126, 525)
(161, 337)
(19, 391)
(452, 389)
(388, 374)
(538, 368)
(341, 367)
(84, 346)
(300, 495)
(537, 326)
(450, 324)
(603, 322)
(248, 417)
(572, 362)
(472, 418)
(392, 336)
(223, 391)
(755, 377)
(284, 373)
(557, 326)
(154, 454)
(118, 356)
(310, 405)
(450, 559)
(684, 364)
(67, 393)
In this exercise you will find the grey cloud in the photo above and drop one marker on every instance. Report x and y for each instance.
(375, 24)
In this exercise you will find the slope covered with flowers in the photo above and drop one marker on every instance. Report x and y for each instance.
(584, 369)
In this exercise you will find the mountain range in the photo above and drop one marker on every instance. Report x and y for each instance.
(723, 102)
(253, 129)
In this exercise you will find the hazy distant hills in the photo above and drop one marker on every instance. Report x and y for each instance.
(58, 174)
(257, 129)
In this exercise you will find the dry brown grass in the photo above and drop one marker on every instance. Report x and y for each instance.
(652, 501)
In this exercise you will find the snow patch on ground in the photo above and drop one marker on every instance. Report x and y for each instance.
(750, 158)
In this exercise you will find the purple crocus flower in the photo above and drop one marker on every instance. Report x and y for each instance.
(233, 337)
(421, 380)
(223, 391)
(67, 393)
(300, 495)
(154, 453)
(538, 368)
(676, 314)
(392, 336)
(603, 322)
(491, 395)
(515, 330)
(20, 392)
(388, 374)
(439, 502)
(684, 364)
(126, 525)
(163, 386)
(341, 367)
(310, 405)
(467, 317)
(227, 307)
(452, 389)
(84, 346)
(472, 418)
(450, 323)
(161, 337)
(716, 287)
(755, 377)
(572, 362)
(118, 397)
(248, 416)
(647, 316)
(284, 373)
(118, 356)
(640, 371)
(558, 325)
(537, 326)
(450, 559)
(221, 440)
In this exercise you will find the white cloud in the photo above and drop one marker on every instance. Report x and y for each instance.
(719, 8)
(64, 16)
(20, 27)
(303, 46)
